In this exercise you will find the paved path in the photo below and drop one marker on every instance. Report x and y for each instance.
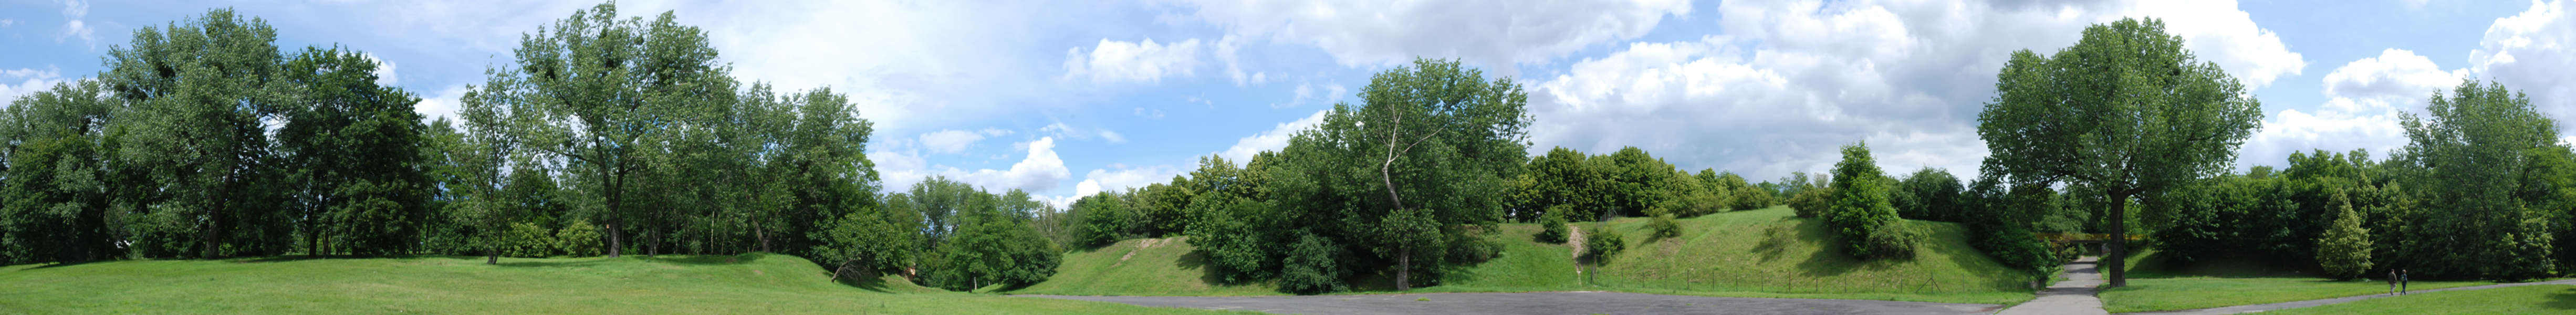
(2073, 296)
(2308, 303)
(1550, 303)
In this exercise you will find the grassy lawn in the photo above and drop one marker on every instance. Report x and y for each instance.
(1757, 253)
(2537, 299)
(750, 283)
(2165, 294)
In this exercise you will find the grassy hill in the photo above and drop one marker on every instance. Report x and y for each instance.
(1757, 253)
(749, 283)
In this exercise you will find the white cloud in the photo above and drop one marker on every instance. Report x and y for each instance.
(1112, 136)
(29, 81)
(1790, 82)
(444, 104)
(1272, 140)
(8, 22)
(1121, 61)
(385, 75)
(1100, 180)
(1039, 172)
(1149, 113)
(73, 12)
(1306, 93)
(2531, 52)
(1492, 33)
(954, 141)
(1061, 130)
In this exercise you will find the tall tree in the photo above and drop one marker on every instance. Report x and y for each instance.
(2473, 148)
(600, 89)
(1430, 148)
(54, 189)
(354, 148)
(2126, 110)
(201, 90)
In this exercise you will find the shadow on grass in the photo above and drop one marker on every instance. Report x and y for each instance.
(2564, 300)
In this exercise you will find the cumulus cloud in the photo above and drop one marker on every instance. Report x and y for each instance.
(444, 104)
(1790, 82)
(954, 141)
(1120, 61)
(27, 81)
(1369, 32)
(1272, 140)
(1306, 93)
(385, 75)
(73, 27)
(2531, 52)
(1040, 171)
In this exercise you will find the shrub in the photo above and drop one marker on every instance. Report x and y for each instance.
(1810, 203)
(578, 239)
(1311, 266)
(1860, 205)
(1602, 244)
(1662, 226)
(2344, 250)
(2014, 247)
(1552, 227)
(1893, 239)
(525, 239)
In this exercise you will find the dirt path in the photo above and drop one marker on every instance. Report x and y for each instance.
(1534, 303)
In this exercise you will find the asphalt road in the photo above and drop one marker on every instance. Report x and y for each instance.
(1535, 303)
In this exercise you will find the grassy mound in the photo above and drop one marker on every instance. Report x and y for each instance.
(1757, 253)
(749, 283)
(1166, 266)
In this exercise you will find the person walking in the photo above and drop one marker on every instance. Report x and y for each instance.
(2402, 282)
(2392, 281)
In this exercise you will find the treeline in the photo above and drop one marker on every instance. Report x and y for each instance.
(2484, 189)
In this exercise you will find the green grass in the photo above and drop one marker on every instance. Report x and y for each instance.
(749, 283)
(2536, 299)
(1757, 253)
(1167, 267)
(2160, 284)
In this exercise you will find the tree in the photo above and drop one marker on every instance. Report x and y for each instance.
(1861, 212)
(1562, 179)
(2126, 110)
(201, 90)
(993, 248)
(864, 241)
(355, 152)
(2468, 153)
(1931, 194)
(53, 194)
(2344, 251)
(1103, 218)
(1432, 145)
(595, 91)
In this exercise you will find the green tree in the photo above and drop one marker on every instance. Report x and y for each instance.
(355, 152)
(865, 241)
(1930, 194)
(2126, 110)
(200, 89)
(2468, 151)
(54, 194)
(2344, 251)
(1432, 145)
(993, 248)
(1103, 217)
(1860, 203)
(597, 90)
(1562, 179)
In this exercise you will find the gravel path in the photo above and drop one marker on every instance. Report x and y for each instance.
(2074, 296)
(1534, 303)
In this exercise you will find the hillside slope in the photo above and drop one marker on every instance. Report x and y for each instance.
(1756, 253)
(749, 283)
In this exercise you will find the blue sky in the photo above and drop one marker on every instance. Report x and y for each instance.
(1064, 98)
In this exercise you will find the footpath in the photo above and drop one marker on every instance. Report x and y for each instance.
(2070, 297)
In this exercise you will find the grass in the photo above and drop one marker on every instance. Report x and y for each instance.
(1756, 253)
(2161, 285)
(2535, 299)
(749, 283)
(1167, 266)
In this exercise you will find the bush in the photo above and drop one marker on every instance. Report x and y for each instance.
(578, 239)
(1602, 244)
(2014, 247)
(1860, 206)
(1893, 239)
(1552, 227)
(1311, 266)
(1810, 203)
(1662, 226)
(525, 239)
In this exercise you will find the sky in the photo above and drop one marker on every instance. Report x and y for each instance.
(1069, 98)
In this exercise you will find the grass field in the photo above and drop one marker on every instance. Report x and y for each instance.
(2536, 299)
(2160, 285)
(1757, 253)
(749, 283)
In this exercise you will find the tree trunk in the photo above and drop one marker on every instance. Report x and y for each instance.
(493, 255)
(2119, 241)
(613, 244)
(763, 235)
(1404, 269)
